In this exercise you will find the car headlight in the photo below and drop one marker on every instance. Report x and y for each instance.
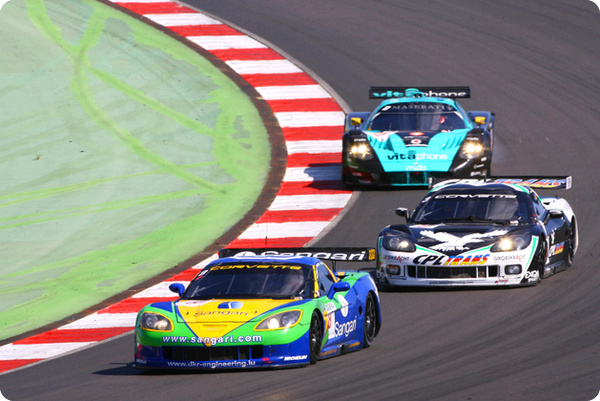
(155, 322)
(513, 269)
(281, 320)
(396, 243)
(361, 150)
(471, 149)
(512, 243)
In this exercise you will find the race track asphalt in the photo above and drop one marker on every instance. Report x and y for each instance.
(535, 65)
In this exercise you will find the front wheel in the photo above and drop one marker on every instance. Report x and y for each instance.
(370, 326)
(573, 242)
(541, 257)
(315, 338)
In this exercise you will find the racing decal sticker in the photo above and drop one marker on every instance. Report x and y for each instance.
(450, 242)
(344, 303)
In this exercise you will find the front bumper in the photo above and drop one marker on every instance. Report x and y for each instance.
(221, 357)
(357, 173)
(482, 269)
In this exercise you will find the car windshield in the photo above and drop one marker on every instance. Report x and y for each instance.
(250, 280)
(469, 207)
(417, 117)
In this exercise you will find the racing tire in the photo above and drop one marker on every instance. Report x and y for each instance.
(315, 338)
(573, 242)
(540, 258)
(370, 321)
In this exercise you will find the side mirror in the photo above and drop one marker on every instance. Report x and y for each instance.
(480, 120)
(356, 121)
(556, 213)
(177, 288)
(403, 212)
(340, 286)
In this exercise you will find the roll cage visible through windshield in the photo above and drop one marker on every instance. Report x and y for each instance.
(474, 207)
(253, 279)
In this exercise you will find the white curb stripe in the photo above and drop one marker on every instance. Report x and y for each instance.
(172, 20)
(308, 174)
(247, 67)
(300, 119)
(309, 202)
(226, 42)
(293, 92)
(101, 320)
(314, 147)
(160, 290)
(284, 230)
(38, 351)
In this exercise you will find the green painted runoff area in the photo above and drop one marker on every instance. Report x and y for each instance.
(123, 153)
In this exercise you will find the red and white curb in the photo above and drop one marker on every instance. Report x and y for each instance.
(310, 196)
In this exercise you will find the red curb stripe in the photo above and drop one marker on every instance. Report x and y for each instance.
(206, 30)
(74, 336)
(296, 242)
(312, 160)
(310, 133)
(247, 54)
(156, 8)
(186, 275)
(312, 188)
(134, 304)
(327, 104)
(284, 216)
(299, 78)
(5, 366)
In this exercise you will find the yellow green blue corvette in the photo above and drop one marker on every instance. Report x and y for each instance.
(265, 308)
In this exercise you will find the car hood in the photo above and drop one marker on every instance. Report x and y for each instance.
(455, 239)
(218, 318)
(224, 311)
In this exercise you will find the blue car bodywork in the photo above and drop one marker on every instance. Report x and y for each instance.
(415, 134)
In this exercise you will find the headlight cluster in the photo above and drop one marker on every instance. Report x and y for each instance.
(512, 243)
(155, 322)
(281, 320)
(361, 150)
(471, 149)
(397, 243)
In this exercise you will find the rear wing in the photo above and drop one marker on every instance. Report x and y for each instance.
(390, 92)
(339, 254)
(538, 182)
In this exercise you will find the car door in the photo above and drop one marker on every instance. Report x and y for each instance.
(342, 317)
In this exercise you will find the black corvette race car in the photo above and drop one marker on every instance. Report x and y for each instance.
(490, 232)
(415, 134)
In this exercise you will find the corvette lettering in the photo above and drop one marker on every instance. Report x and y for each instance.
(257, 266)
(476, 196)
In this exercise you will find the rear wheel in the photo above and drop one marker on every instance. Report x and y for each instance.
(315, 337)
(370, 321)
